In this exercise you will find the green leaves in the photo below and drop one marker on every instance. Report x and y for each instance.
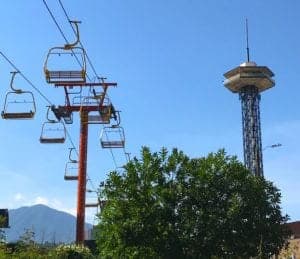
(166, 205)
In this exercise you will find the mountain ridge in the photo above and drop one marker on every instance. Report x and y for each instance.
(48, 224)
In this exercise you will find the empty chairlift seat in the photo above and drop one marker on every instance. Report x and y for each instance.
(112, 137)
(102, 112)
(53, 132)
(95, 204)
(18, 104)
(66, 64)
(71, 169)
(102, 116)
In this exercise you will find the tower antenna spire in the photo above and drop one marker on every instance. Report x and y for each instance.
(247, 41)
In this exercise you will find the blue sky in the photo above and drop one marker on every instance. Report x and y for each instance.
(168, 58)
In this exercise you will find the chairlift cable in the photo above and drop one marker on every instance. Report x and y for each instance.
(68, 18)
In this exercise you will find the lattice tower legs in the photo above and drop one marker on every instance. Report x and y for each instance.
(250, 99)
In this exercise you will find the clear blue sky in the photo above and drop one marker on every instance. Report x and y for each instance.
(168, 58)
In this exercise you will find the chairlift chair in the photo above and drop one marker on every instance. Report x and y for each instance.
(103, 115)
(53, 131)
(112, 137)
(18, 104)
(71, 169)
(93, 204)
(103, 108)
(64, 75)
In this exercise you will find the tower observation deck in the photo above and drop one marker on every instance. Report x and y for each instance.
(249, 80)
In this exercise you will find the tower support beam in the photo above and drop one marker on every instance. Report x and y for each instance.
(250, 98)
(83, 144)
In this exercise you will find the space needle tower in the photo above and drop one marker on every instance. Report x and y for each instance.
(249, 80)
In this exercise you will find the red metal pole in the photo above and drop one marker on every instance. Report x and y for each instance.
(83, 143)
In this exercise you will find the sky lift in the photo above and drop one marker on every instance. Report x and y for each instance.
(113, 136)
(53, 131)
(60, 57)
(71, 169)
(18, 104)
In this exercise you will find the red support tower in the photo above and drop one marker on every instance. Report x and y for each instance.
(83, 144)
(92, 104)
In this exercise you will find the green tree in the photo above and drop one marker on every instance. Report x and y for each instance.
(2, 221)
(2, 232)
(170, 206)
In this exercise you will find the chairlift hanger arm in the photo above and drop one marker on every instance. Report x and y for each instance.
(19, 91)
(70, 155)
(72, 45)
(48, 117)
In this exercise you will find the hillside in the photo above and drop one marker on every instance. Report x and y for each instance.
(49, 225)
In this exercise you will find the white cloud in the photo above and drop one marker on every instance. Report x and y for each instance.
(41, 200)
(55, 204)
(71, 211)
(19, 197)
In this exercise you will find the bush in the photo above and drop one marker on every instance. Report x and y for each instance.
(71, 251)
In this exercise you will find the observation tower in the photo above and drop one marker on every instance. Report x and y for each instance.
(249, 80)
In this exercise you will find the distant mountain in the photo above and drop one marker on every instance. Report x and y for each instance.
(49, 225)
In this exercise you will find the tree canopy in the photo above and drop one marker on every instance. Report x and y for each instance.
(167, 205)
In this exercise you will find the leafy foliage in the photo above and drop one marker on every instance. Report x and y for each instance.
(170, 206)
(26, 248)
(2, 221)
(71, 251)
(2, 232)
